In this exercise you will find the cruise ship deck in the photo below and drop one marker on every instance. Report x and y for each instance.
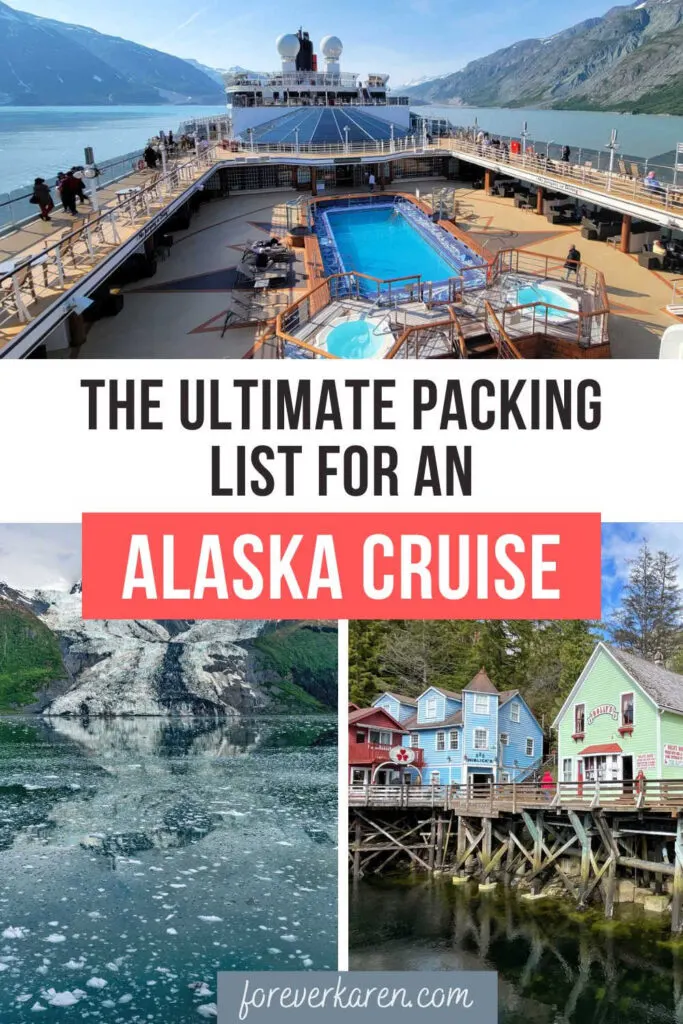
(215, 203)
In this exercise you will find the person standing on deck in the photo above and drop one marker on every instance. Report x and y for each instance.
(80, 185)
(547, 785)
(566, 153)
(42, 198)
(572, 263)
(371, 182)
(68, 191)
(150, 155)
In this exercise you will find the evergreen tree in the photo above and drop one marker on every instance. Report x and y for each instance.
(650, 617)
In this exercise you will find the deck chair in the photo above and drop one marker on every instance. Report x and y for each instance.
(12, 301)
(241, 313)
(635, 171)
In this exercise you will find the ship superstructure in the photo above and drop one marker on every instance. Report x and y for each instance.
(305, 81)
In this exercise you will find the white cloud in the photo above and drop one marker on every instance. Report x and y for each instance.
(45, 555)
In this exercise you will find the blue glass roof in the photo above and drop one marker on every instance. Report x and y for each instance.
(324, 124)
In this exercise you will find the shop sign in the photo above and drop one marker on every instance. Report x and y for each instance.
(645, 762)
(673, 754)
(603, 709)
(481, 757)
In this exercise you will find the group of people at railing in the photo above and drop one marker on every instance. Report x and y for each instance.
(70, 186)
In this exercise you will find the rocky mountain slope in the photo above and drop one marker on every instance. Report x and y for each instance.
(52, 661)
(627, 60)
(43, 61)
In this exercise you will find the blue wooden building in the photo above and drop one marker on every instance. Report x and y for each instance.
(475, 735)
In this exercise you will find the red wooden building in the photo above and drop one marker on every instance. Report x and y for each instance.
(372, 734)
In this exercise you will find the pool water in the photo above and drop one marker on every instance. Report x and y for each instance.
(553, 296)
(356, 339)
(382, 243)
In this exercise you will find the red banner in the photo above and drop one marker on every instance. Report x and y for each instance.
(341, 566)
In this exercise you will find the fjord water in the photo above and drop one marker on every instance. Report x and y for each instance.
(553, 965)
(643, 135)
(41, 141)
(139, 856)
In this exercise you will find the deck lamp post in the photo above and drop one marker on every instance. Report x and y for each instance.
(612, 146)
(91, 173)
(346, 138)
(251, 139)
(162, 150)
(296, 140)
(392, 140)
(547, 149)
(424, 132)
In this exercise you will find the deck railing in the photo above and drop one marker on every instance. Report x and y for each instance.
(586, 327)
(45, 273)
(377, 753)
(496, 797)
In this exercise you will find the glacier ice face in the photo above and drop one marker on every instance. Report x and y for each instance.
(184, 668)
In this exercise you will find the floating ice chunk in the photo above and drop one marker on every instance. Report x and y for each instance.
(209, 917)
(274, 949)
(4, 967)
(108, 1003)
(56, 937)
(307, 962)
(23, 998)
(208, 1010)
(283, 842)
(288, 938)
(15, 933)
(178, 885)
(38, 1006)
(60, 998)
(96, 983)
(201, 988)
(171, 931)
(75, 965)
(127, 998)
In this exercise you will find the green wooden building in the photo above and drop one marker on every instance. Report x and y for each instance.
(624, 716)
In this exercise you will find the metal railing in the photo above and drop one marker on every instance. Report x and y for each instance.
(585, 326)
(377, 753)
(43, 274)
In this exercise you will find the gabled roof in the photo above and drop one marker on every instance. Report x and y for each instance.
(663, 688)
(410, 701)
(481, 683)
(453, 694)
(507, 695)
(363, 713)
(411, 724)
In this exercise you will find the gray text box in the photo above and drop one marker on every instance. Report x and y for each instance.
(373, 997)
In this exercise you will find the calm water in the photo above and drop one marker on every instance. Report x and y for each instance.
(41, 141)
(553, 967)
(138, 856)
(643, 135)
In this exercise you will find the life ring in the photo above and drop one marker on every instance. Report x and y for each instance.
(141, 165)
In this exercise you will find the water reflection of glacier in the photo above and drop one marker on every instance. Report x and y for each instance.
(148, 853)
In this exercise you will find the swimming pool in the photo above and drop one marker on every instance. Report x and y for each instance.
(367, 338)
(545, 293)
(389, 240)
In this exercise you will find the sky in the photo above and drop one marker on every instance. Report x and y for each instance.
(404, 38)
(48, 556)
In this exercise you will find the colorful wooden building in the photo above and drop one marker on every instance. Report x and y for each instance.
(475, 735)
(373, 734)
(624, 716)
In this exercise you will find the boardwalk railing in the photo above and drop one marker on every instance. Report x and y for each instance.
(485, 799)
(41, 275)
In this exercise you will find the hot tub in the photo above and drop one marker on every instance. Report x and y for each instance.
(357, 338)
(547, 293)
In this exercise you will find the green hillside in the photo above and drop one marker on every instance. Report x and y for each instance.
(30, 658)
(298, 663)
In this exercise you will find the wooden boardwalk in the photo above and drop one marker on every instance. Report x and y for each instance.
(507, 797)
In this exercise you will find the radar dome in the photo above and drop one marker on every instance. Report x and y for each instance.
(331, 47)
(287, 46)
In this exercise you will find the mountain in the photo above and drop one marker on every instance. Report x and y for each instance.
(43, 61)
(216, 74)
(627, 60)
(53, 661)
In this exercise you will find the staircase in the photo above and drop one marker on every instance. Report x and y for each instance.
(478, 342)
(536, 771)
